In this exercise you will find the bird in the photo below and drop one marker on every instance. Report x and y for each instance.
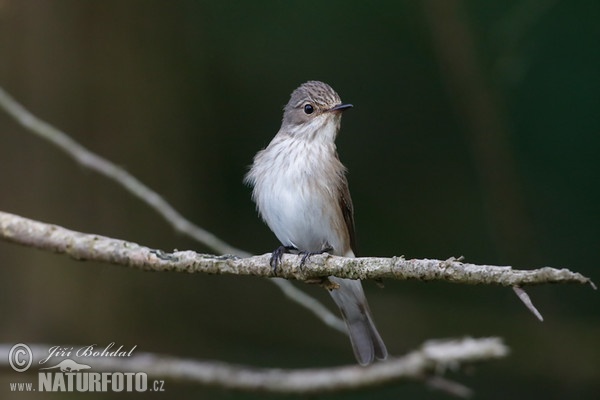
(301, 192)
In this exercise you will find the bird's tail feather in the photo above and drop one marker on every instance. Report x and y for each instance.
(366, 341)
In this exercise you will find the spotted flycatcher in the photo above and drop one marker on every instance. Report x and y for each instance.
(301, 192)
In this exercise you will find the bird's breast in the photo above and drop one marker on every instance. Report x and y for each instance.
(296, 189)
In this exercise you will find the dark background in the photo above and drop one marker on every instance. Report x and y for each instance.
(475, 132)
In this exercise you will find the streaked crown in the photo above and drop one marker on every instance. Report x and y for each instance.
(318, 93)
(310, 100)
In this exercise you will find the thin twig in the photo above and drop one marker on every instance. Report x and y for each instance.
(524, 297)
(312, 304)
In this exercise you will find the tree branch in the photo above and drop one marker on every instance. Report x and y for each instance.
(431, 360)
(90, 247)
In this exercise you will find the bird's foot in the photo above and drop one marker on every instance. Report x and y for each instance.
(277, 255)
(307, 254)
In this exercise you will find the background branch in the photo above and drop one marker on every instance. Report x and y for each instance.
(431, 360)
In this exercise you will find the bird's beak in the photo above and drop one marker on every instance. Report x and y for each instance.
(340, 107)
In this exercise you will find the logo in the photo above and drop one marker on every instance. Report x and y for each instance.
(72, 370)
(69, 366)
(20, 357)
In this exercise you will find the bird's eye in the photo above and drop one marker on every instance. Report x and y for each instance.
(308, 109)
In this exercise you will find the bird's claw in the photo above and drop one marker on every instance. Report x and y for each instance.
(277, 255)
(307, 254)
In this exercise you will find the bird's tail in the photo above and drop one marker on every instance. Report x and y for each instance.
(366, 341)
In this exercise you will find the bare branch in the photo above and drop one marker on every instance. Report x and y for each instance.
(83, 246)
(434, 357)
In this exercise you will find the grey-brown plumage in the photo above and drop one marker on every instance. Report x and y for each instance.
(301, 192)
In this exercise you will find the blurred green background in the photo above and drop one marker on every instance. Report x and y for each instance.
(475, 132)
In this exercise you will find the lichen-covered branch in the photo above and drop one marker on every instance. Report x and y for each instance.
(431, 360)
(84, 246)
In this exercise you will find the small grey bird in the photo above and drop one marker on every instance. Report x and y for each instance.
(301, 192)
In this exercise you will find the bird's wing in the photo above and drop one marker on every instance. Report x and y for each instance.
(348, 213)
